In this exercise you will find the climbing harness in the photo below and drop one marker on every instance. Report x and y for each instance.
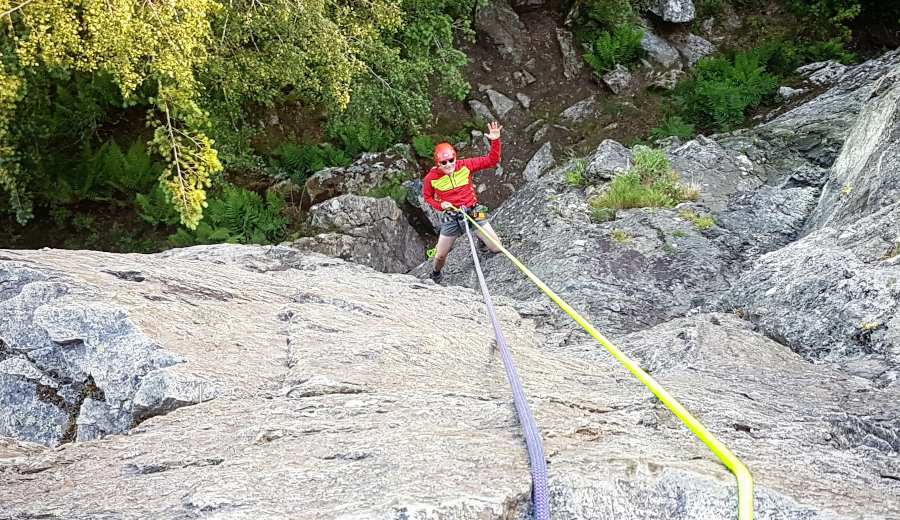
(540, 492)
(744, 479)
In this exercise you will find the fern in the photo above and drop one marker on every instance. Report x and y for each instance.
(156, 208)
(673, 126)
(423, 145)
(724, 89)
(300, 161)
(237, 215)
(622, 46)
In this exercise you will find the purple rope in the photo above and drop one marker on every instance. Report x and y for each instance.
(540, 491)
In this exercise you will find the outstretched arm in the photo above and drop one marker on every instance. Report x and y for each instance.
(493, 157)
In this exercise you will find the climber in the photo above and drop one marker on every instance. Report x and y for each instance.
(449, 184)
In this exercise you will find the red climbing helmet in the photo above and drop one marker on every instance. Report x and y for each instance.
(444, 151)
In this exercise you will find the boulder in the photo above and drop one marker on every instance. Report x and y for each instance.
(678, 11)
(540, 162)
(618, 80)
(497, 21)
(481, 110)
(582, 111)
(501, 103)
(692, 47)
(666, 80)
(368, 231)
(422, 209)
(368, 172)
(573, 63)
(610, 158)
(659, 51)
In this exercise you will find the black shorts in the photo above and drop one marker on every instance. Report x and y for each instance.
(453, 224)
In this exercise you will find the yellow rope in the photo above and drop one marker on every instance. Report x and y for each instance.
(744, 480)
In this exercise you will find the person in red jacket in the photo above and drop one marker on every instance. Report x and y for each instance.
(448, 183)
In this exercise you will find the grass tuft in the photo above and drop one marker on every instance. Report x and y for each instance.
(649, 183)
(699, 221)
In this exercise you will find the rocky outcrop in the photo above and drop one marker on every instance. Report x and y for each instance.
(368, 172)
(364, 230)
(351, 408)
(692, 47)
(798, 147)
(659, 270)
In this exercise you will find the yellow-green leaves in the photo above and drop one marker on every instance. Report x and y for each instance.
(138, 43)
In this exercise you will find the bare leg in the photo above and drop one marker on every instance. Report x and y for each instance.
(445, 243)
(490, 231)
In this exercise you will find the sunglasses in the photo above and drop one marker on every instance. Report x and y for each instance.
(448, 161)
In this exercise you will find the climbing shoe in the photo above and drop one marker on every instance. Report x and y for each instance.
(437, 276)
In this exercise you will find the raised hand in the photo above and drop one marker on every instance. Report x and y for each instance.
(493, 131)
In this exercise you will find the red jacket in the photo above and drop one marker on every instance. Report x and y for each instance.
(457, 188)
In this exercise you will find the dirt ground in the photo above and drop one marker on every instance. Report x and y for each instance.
(622, 117)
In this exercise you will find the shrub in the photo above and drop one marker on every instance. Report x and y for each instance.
(599, 15)
(723, 89)
(622, 46)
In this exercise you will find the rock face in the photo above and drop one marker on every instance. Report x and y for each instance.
(862, 182)
(67, 354)
(368, 172)
(369, 231)
(357, 394)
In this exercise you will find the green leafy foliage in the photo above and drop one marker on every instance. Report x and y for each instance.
(70, 65)
(673, 126)
(392, 187)
(723, 89)
(240, 216)
(575, 176)
(107, 174)
(424, 146)
(622, 46)
(300, 161)
(155, 207)
(595, 16)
